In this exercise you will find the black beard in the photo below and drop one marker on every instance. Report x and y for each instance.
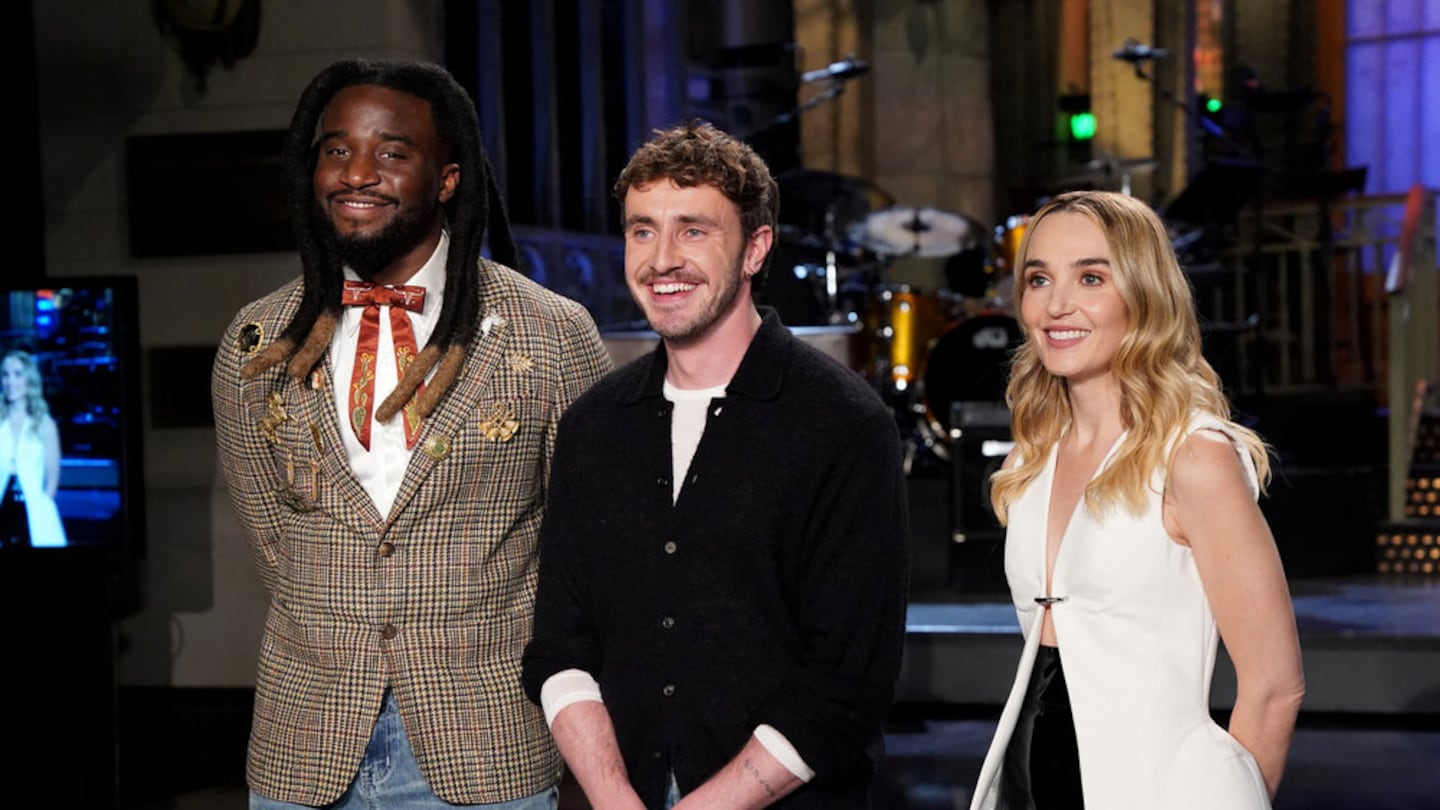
(369, 256)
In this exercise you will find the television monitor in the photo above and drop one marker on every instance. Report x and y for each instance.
(70, 451)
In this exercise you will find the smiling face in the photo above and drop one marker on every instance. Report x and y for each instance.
(1071, 308)
(687, 261)
(380, 180)
(14, 380)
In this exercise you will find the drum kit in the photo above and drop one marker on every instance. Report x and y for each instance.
(923, 349)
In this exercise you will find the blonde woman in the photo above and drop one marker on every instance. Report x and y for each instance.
(1133, 536)
(30, 447)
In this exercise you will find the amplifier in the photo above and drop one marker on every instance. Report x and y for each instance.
(979, 441)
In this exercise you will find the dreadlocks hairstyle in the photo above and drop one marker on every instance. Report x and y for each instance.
(697, 154)
(1162, 374)
(474, 206)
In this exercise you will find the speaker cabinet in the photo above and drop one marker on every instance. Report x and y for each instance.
(979, 441)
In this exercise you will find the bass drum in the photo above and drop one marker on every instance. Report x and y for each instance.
(970, 363)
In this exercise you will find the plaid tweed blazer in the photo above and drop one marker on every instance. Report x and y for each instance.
(434, 600)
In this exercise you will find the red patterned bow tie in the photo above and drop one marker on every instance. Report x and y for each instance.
(362, 378)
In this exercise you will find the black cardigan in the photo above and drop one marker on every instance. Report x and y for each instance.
(773, 591)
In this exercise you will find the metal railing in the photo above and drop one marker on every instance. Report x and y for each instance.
(1411, 290)
(1306, 283)
(1334, 295)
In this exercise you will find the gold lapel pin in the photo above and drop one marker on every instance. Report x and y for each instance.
(501, 425)
(274, 415)
(251, 335)
(520, 363)
(437, 447)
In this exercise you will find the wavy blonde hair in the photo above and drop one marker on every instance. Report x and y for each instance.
(35, 405)
(1162, 375)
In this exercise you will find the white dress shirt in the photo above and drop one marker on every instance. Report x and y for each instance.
(381, 468)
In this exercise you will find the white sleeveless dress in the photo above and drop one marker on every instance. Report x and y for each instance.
(26, 459)
(1138, 643)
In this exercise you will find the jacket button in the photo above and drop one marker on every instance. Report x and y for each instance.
(386, 549)
(662, 481)
(667, 622)
(389, 631)
(670, 547)
(669, 690)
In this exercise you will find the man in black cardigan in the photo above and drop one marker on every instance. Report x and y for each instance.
(723, 571)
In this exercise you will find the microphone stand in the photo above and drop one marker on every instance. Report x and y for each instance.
(832, 272)
(1262, 304)
(837, 86)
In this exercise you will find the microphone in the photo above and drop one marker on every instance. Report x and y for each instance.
(839, 71)
(1135, 53)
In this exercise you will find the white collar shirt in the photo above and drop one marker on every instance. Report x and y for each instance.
(381, 468)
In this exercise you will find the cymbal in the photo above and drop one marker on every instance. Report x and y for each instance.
(822, 205)
(805, 240)
(814, 188)
(1103, 170)
(909, 231)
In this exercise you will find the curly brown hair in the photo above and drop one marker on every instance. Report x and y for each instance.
(695, 153)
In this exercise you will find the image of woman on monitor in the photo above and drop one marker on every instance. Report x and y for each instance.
(29, 457)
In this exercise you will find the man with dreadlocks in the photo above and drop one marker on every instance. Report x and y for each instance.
(385, 426)
(719, 621)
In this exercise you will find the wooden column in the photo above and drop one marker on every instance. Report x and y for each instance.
(1123, 103)
(835, 135)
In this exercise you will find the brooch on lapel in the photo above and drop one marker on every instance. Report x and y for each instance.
(251, 334)
(520, 363)
(274, 415)
(437, 447)
(491, 322)
(501, 424)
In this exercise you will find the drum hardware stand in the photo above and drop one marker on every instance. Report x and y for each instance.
(832, 275)
(918, 437)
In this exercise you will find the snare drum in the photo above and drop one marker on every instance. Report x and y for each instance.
(1007, 243)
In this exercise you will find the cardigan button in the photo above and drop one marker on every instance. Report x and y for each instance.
(670, 547)
(668, 622)
(669, 690)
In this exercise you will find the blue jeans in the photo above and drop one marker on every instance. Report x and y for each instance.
(389, 778)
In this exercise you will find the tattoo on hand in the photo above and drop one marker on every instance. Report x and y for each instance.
(769, 791)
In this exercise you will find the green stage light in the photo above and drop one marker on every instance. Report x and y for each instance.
(1213, 105)
(1082, 126)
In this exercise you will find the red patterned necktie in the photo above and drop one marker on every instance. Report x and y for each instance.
(362, 378)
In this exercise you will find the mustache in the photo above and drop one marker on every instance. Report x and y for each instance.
(385, 198)
(651, 276)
